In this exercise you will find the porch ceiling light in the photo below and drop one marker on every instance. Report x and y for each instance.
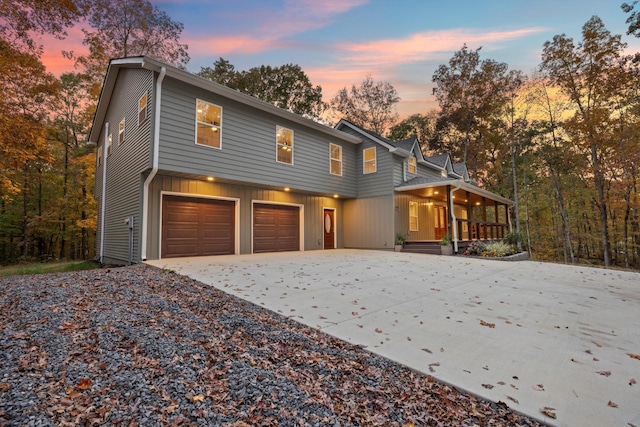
(209, 178)
(335, 196)
(287, 189)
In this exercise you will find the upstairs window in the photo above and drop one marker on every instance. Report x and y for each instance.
(411, 166)
(443, 173)
(336, 159)
(208, 124)
(142, 109)
(121, 132)
(109, 142)
(413, 216)
(369, 160)
(99, 155)
(284, 145)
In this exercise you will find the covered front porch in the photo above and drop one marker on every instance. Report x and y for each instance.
(427, 210)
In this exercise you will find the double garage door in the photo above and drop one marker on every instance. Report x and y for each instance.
(197, 227)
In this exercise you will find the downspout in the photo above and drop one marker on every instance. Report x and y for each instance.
(104, 188)
(154, 169)
(454, 224)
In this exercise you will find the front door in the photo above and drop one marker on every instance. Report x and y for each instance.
(329, 229)
(441, 221)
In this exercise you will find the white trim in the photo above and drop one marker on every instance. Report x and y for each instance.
(236, 231)
(375, 161)
(278, 145)
(365, 133)
(146, 107)
(417, 216)
(331, 159)
(463, 185)
(121, 127)
(154, 169)
(269, 202)
(104, 194)
(335, 226)
(205, 123)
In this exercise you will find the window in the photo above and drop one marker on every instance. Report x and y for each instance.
(369, 160)
(109, 142)
(121, 132)
(208, 124)
(284, 145)
(443, 173)
(336, 159)
(413, 216)
(142, 109)
(99, 155)
(411, 166)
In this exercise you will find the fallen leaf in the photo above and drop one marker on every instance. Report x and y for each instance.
(427, 350)
(513, 399)
(538, 387)
(408, 424)
(634, 356)
(501, 383)
(612, 404)
(596, 343)
(632, 381)
(198, 398)
(84, 384)
(491, 325)
(408, 338)
(434, 364)
(378, 330)
(549, 412)
(604, 373)
(489, 386)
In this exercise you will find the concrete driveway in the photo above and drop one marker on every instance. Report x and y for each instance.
(529, 334)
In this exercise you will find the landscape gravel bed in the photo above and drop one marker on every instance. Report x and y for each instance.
(142, 346)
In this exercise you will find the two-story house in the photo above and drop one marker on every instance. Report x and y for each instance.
(188, 167)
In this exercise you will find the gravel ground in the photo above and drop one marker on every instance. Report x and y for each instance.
(141, 346)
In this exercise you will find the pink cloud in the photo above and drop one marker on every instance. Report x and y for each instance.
(52, 56)
(223, 45)
(425, 46)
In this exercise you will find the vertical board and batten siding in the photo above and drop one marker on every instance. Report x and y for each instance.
(426, 216)
(313, 209)
(125, 164)
(369, 223)
(248, 140)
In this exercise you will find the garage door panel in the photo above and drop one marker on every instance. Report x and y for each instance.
(276, 228)
(197, 227)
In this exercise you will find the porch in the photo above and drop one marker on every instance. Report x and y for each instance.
(435, 208)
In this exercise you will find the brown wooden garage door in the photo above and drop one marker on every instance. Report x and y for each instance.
(195, 227)
(276, 228)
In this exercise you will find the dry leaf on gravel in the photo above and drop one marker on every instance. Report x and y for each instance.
(549, 412)
(84, 384)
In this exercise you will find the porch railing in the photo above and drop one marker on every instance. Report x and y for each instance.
(480, 230)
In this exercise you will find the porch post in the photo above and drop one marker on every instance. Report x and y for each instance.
(484, 217)
(469, 217)
(495, 209)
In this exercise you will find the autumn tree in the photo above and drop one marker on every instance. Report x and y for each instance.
(371, 105)
(588, 73)
(287, 86)
(422, 126)
(121, 28)
(470, 92)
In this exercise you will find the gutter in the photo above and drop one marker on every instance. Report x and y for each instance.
(104, 188)
(454, 225)
(154, 169)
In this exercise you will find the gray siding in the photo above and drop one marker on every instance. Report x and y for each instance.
(313, 209)
(124, 165)
(248, 151)
(379, 183)
(369, 223)
(426, 216)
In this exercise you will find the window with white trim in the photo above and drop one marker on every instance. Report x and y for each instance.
(411, 165)
(109, 142)
(335, 151)
(99, 155)
(443, 173)
(121, 132)
(142, 109)
(413, 216)
(284, 145)
(208, 124)
(369, 160)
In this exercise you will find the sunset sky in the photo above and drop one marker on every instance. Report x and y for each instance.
(338, 42)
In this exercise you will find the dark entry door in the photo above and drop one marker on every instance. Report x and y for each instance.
(329, 229)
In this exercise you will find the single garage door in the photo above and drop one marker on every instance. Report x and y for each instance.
(195, 227)
(276, 228)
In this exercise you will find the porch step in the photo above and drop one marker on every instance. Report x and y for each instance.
(432, 248)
